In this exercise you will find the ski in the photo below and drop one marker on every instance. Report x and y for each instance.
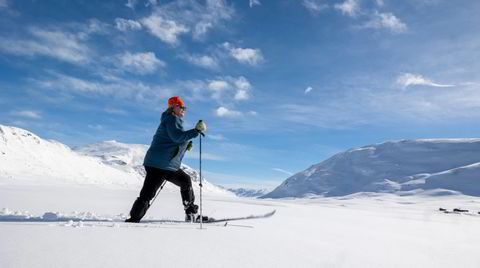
(250, 217)
(53, 217)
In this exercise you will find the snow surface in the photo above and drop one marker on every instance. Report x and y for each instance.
(40, 178)
(404, 167)
(374, 230)
(26, 158)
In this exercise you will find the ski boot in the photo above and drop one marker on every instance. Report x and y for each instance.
(139, 209)
(190, 212)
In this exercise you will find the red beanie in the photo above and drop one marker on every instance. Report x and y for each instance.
(175, 100)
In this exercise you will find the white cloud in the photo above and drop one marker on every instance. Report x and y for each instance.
(130, 90)
(314, 5)
(28, 113)
(283, 171)
(151, 2)
(386, 20)
(241, 95)
(254, 3)
(61, 45)
(224, 112)
(131, 3)
(165, 29)
(141, 63)
(380, 2)
(245, 55)
(242, 83)
(217, 137)
(218, 86)
(308, 90)
(171, 20)
(243, 87)
(408, 79)
(203, 61)
(124, 25)
(253, 113)
(94, 26)
(349, 7)
(223, 87)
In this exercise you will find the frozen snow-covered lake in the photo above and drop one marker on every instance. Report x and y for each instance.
(356, 231)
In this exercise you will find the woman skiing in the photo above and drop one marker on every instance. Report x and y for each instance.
(163, 159)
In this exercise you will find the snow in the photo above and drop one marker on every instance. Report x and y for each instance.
(26, 158)
(395, 166)
(64, 190)
(371, 230)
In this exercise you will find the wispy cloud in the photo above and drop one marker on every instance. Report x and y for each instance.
(314, 6)
(28, 113)
(203, 61)
(217, 137)
(283, 171)
(230, 88)
(224, 112)
(308, 89)
(125, 24)
(408, 79)
(173, 19)
(254, 3)
(349, 7)
(245, 55)
(387, 21)
(140, 63)
(131, 3)
(243, 87)
(165, 29)
(64, 46)
(130, 90)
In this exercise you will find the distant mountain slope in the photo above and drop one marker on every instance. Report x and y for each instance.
(25, 157)
(451, 164)
(245, 192)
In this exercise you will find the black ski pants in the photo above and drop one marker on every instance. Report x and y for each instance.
(155, 177)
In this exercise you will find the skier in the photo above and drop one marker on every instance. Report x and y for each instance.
(163, 159)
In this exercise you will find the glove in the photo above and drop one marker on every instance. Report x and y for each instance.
(189, 146)
(201, 126)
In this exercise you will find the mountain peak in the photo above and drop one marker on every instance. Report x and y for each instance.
(392, 166)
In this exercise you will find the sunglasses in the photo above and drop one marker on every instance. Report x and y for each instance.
(183, 108)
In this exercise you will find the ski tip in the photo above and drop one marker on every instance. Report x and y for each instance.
(270, 213)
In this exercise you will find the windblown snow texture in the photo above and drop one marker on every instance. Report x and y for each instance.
(400, 166)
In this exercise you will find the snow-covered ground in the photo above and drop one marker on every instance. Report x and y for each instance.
(40, 177)
(380, 230)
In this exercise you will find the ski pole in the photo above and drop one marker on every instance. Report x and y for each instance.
(201, 214)
(161, 187)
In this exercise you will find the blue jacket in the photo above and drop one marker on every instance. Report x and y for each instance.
(169, 143)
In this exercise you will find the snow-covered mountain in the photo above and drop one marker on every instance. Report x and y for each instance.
(443, 165)
(25, 157)
(245, 192)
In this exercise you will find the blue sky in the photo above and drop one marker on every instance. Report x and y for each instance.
(281, 84)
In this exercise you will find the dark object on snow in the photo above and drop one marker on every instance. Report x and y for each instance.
(442, 209)
(138, 210)
(155, 179)
(460, 210)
